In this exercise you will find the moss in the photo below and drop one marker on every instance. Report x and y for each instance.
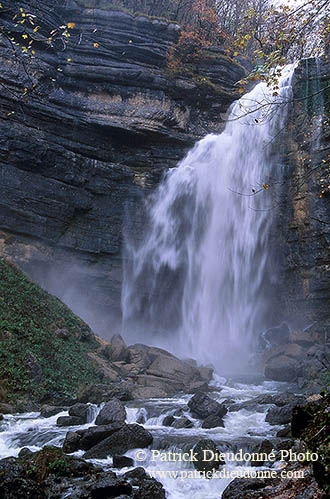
(33, 359)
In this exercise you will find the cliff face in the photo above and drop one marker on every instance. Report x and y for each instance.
(86, 130)
(304, 229)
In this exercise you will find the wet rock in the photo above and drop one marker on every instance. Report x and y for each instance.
(285, 432)
(149, 488)
(109, 486)
(247, 488)
(122, 462)
(25, 453)
(282, 368)
(202, 406)
(207, 456)
(83, 411)
(112, 412)
(266, 448)
(71, 442)
(279, 399)
(95, 434)
(1, 417)
(279, 415)
(47, 411)
(128, 437)
(168, 420)
(136, 474)
(213, 421)
(183, 422)
(69, 421)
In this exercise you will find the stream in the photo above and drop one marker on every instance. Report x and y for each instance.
(243, 429)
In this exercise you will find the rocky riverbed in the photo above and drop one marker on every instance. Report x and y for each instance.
(123, 449)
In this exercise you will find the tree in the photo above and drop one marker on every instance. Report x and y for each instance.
(277, 35)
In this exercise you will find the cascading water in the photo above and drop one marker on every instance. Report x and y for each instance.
(197, 281)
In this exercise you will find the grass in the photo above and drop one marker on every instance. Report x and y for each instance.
(34, 361)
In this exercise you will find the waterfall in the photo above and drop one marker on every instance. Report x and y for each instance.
(198, 280)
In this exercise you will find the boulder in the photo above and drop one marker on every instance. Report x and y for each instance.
(69, 421)
(278, 335)
(145, 392)
(279, 399)
(167, 385)
(117, 349)
(137, 474)
(302, 338)
(71, 442)
(172, 368)
(202, 406)
(207, 456)
(112, 412)
(47, 411)
(265, 447)
(206, 373)
(285, 432)
(183, 422)
(282, 368)
(83, 411)
(105, 369)
(247, 488)
(149, 488)
(168, 420)
(122, 462)
(292, 350)
(128, 437)
(103, 392)
(109, 486)
(213, 421)
(95, 434)
(25, 453)
(139, 358)
(279, 415)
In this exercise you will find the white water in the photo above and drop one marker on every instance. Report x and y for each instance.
(200, 276)
(242, 429)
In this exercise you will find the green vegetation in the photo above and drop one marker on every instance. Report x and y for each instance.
(34, 359)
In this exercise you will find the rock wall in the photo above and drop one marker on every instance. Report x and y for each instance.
(303, 229)
(86, 130)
